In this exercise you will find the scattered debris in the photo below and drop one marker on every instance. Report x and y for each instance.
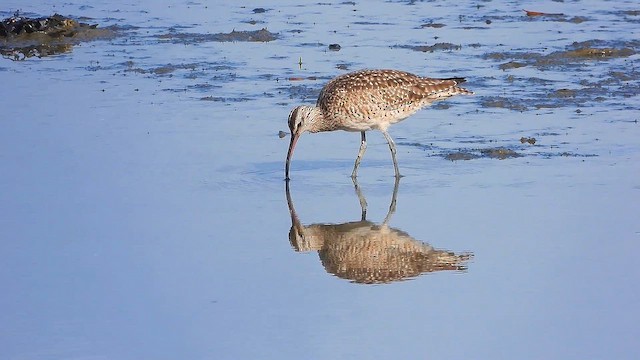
(529, 140)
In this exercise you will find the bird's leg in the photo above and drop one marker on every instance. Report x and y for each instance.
(363, 148)
(392, 147)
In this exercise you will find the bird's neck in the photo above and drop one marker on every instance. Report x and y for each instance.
(319, 122)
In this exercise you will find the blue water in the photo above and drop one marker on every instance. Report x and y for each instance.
(141, 222)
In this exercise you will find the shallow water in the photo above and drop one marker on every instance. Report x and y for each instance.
(144, 213)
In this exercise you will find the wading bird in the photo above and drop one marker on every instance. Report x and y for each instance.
(367, 100)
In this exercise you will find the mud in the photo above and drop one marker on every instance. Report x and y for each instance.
(432, 48)
(262, 35)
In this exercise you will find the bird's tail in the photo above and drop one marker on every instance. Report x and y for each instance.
(458, 90)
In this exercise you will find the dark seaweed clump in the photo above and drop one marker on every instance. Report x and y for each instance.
(54, 26)
(23, 37)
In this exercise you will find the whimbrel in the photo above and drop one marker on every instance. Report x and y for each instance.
(367, 100)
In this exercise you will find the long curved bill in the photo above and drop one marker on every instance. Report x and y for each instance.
(292, 145)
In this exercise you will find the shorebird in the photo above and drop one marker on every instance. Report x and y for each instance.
(369, 100)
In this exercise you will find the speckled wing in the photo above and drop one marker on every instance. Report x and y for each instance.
(374, 97)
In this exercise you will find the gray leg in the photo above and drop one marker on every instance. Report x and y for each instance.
(392, 147)
(363, 148)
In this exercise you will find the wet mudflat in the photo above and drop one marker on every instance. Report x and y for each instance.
(145, 214)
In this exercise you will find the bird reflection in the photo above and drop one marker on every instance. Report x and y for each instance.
(368, 253)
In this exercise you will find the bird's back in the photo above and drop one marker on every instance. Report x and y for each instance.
(374, 99)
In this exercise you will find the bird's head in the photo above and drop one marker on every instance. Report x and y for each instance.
(301, 119)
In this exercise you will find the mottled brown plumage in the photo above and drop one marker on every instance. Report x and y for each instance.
(367, 100)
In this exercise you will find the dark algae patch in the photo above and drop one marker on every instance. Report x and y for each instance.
(23, 37)
(17, 27)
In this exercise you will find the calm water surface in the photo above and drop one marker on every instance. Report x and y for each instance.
(145, 216)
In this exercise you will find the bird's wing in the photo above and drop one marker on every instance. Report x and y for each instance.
(383, 90)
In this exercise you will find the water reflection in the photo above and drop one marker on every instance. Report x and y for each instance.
(40, 51)
(368, 253)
